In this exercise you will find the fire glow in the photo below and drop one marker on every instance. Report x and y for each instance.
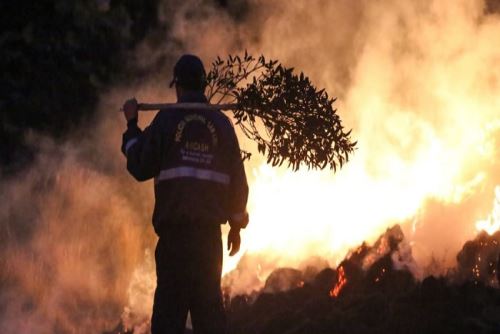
(341, 282)
(492, 223)
(296, 215)
(424, 110)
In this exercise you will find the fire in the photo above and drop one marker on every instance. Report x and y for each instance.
(381, 275)
(492, 223)
(426, 132)
(296, 215)
(341, 282)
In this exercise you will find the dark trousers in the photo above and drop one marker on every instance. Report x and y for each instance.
(188, 270)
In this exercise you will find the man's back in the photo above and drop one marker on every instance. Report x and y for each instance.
(195, 159)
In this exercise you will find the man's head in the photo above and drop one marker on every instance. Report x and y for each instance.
(189, 74)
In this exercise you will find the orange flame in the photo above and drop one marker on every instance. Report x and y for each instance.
(492, 223)
(341, 282)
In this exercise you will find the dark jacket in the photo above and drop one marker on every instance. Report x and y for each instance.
(195, 159)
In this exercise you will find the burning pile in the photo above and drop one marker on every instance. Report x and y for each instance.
(374, 291)
(479, 260)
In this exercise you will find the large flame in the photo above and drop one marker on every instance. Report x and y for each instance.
(424, 105)
(296, 215)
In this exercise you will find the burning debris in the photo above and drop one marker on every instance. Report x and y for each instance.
(370, 292)
(341, 281)
(478, 261)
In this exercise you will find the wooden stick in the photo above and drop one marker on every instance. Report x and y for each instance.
(189, 105)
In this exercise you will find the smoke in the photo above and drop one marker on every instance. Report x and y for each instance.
(72, 231)
(417, 81)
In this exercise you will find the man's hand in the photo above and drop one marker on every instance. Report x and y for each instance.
(233, 241)
(130, 109)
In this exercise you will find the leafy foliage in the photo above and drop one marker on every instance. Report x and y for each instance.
(283, 112)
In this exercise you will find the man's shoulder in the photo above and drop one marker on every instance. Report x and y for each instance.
(223, 118)
(167, 116)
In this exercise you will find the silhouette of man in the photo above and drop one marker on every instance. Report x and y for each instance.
(199, 183)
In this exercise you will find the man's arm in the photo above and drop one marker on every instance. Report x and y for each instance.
(142, 148)
(238, 196)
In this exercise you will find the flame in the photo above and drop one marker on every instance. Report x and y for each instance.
(412, 149)
(341, 282)
(492, 223)
(296, 215)
(422, 99)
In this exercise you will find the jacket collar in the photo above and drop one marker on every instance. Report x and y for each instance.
(192, 97)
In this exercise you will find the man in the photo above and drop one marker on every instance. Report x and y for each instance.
(200, 183)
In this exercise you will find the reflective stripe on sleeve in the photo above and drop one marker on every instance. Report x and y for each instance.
(130, 143)
(238, 217)
(197, 173)
(239, 220)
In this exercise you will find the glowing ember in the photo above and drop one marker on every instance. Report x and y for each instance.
(341, 282)
(381, 275)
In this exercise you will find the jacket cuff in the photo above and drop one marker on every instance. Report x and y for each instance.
(132, 123)
(131, 136)
(239, 220)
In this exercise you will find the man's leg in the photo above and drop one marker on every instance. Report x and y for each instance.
(206, 304)
(171, 296)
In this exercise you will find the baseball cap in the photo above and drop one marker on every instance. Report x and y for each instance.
(189, 72)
